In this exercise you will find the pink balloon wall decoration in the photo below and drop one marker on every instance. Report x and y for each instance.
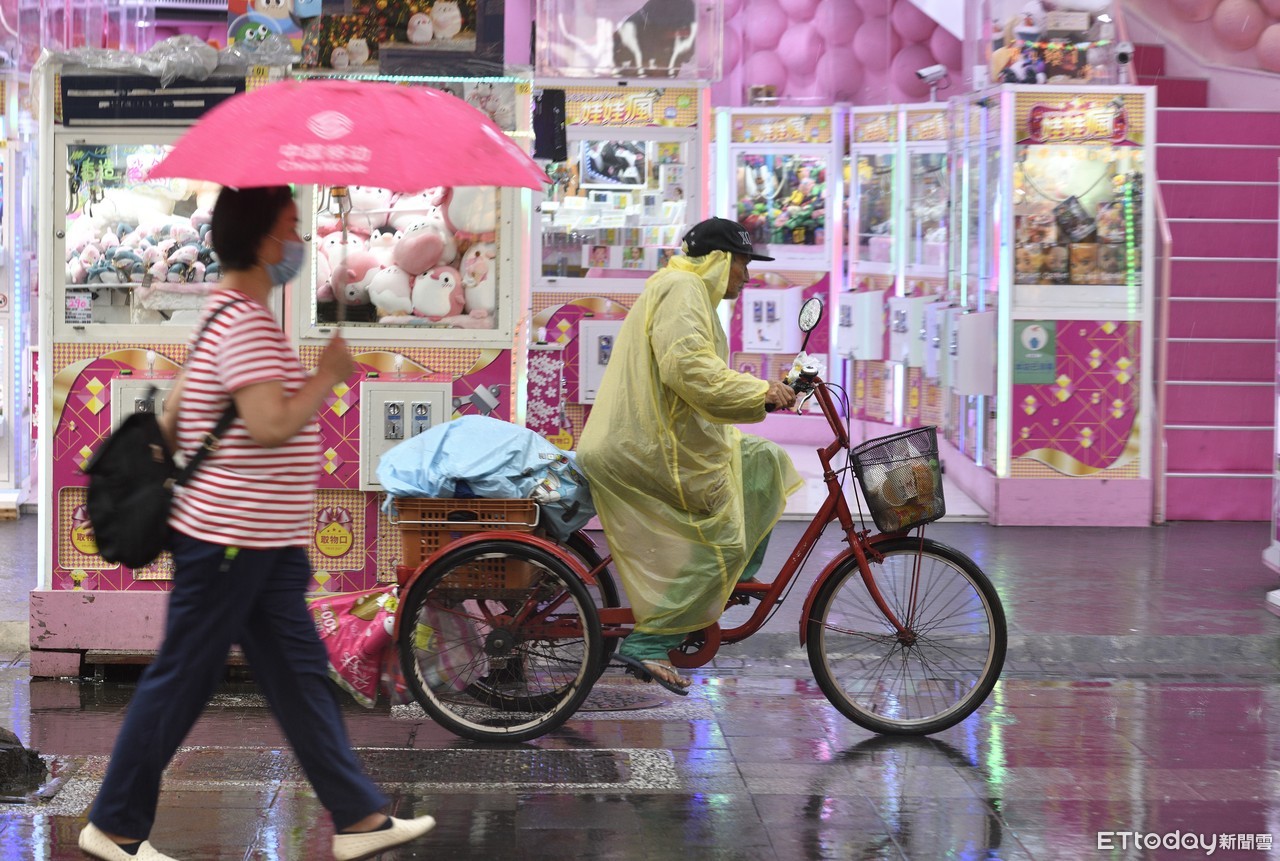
(902, 72)
(800, 48)
(839, 73)
(948, 50)
(910, 23)
(764, 25)
(876, 43)
(1269, 49)
(1239, 23)
(838, 21)
(799, 10)
(732, 53)
(1193, 10)
(764, 68)
(876, 8)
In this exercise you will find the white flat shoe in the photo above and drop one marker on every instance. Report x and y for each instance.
(93, 842)
(354, 847)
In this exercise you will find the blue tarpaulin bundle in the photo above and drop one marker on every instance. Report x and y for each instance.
(491, 459)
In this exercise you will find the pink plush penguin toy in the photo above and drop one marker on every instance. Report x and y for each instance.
(438, 294)
(351, 277)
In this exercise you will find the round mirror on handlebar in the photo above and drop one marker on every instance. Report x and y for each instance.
(810, 314)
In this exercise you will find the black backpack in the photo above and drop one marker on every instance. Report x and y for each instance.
(131, 480)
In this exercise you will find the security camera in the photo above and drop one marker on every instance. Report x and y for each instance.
(1124, 53)
(932, 74)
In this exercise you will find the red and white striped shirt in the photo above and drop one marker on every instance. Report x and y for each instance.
(243, 494)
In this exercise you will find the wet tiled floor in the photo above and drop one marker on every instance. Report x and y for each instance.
(1139, 715)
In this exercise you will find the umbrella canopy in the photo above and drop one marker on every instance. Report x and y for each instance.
(346, 132)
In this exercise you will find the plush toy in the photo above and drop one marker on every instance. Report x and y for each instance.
(438, 293)
(370, 208)
(446, 19)
(351, 277)
(479, 279)
(422, 246)
(358, 51)
(473, 211)
(420, 28)
(408, 208)
(184, 265)
(382, 245)
(390, 292)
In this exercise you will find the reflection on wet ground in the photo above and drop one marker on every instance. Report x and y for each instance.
(1134, 721)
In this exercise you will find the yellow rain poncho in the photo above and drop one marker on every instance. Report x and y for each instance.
(684, 497)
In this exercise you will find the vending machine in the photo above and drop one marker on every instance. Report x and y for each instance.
(1054, 279)
(632, 183)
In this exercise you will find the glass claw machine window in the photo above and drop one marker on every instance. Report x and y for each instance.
(777, 181)
(137, 262)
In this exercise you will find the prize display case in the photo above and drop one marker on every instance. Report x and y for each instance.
(779, 173)
(899, 212)
(632, 184)
(1053, 260)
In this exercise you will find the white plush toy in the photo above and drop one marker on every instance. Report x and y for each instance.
(382, 245)
(390, 292)
(446, 19)
(438, 293)
(473, 210)
(358, 49)
(420, 28)
(479, 278)
(370, 208)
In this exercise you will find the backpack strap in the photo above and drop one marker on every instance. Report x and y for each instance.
(214, 437)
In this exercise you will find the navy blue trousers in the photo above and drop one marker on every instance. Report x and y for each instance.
(222, 596)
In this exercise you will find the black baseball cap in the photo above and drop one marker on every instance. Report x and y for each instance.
(719, 234)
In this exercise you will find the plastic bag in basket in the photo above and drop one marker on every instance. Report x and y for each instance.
(355, 628)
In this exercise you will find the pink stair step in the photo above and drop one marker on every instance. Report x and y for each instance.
(1242, 279)
(1178, 92)
(1220, 200)
(1228, 405)
(1217, 163)
(1228, 362)
(1187, 125)
(1219, 450)
(1222, 320)
(1217, 498)
(1224, 238)
(1148, 60)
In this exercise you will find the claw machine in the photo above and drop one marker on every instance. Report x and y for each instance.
(1054, 377)
(124, 268)
(633, 182)
(780, 173)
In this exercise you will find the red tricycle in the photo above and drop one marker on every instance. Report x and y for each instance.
(502, 632)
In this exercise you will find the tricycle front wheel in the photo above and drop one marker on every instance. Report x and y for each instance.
(499, 641)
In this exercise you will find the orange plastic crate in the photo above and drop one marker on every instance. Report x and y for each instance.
(426, 525)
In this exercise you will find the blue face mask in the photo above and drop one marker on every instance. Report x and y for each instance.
(290, 265)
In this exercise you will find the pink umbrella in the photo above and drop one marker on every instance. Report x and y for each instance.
(340, 132)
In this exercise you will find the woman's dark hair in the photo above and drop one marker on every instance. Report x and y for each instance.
(241, 218)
